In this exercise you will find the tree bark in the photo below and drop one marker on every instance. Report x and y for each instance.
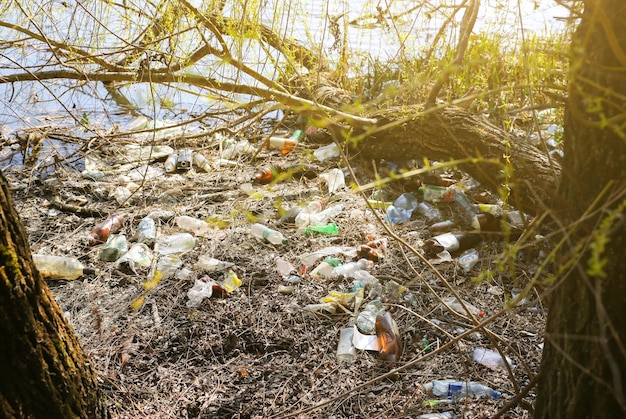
(584, 359)
(453, 133)
(45, 373)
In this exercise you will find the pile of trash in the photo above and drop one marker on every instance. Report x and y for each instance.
(290, 229)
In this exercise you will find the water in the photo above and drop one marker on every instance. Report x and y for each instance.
(367, 32)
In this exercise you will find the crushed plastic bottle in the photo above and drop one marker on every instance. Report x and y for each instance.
(102, 231)
(194, 225)
(446, 388)
(325, 268)
(167, 266)
(491, 359)
(366, 319)
(114, 248)
(428, 211)
(265, 233)
(328, 230)
(176, 243)
(139, 257)
(202, 288)
(402, 208)
(170, 163)
(468, 259)
(327, 152)
(209, 264)
(146, 231)
(60, 267)
(349, 269)
(313, 215)
(334, 179)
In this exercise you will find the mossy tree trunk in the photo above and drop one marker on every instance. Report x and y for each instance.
(44, 373)
(499, 158)
(584, 359)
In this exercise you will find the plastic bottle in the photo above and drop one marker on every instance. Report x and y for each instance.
(265, 233)
(465, 389)
(468, 259)
(366, 319)
(327, 152)
(167, 266)
(346, 352)
(327, 230)
(335, 180)
(183, 162)
(101, 232)
(170, 163)
(146, 231)
(60, 267)
(114, 248)
(285, 145)
(325, 268)
(209, 264)
(138, 257)
(402, 208)
(429, 211)
(348, 269)
(266, 175)
(176, 243)
(194, 225)
(284, 267)
(202, 163)
(452, 242)
(389, 337)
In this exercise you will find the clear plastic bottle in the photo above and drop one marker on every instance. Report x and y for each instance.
(138, 257)
(60, 267)
(170, 163)
(366, 319)
(201, 163)
(265, 233)
(446, 388)
(114, 248)
(429, 211)
(176, 243)
(402, 208)
(349, 269)
(146, 231)
(346, 352)
(167, 266)
(195, 225)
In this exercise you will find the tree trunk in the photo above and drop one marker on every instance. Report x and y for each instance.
(44, 372)
(453, 133)
(584, 359)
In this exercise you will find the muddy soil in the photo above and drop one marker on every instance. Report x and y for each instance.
(258, 352)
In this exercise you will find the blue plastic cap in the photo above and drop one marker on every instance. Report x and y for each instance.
(496, 394)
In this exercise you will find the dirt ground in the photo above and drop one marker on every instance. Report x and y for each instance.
(258, 353)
